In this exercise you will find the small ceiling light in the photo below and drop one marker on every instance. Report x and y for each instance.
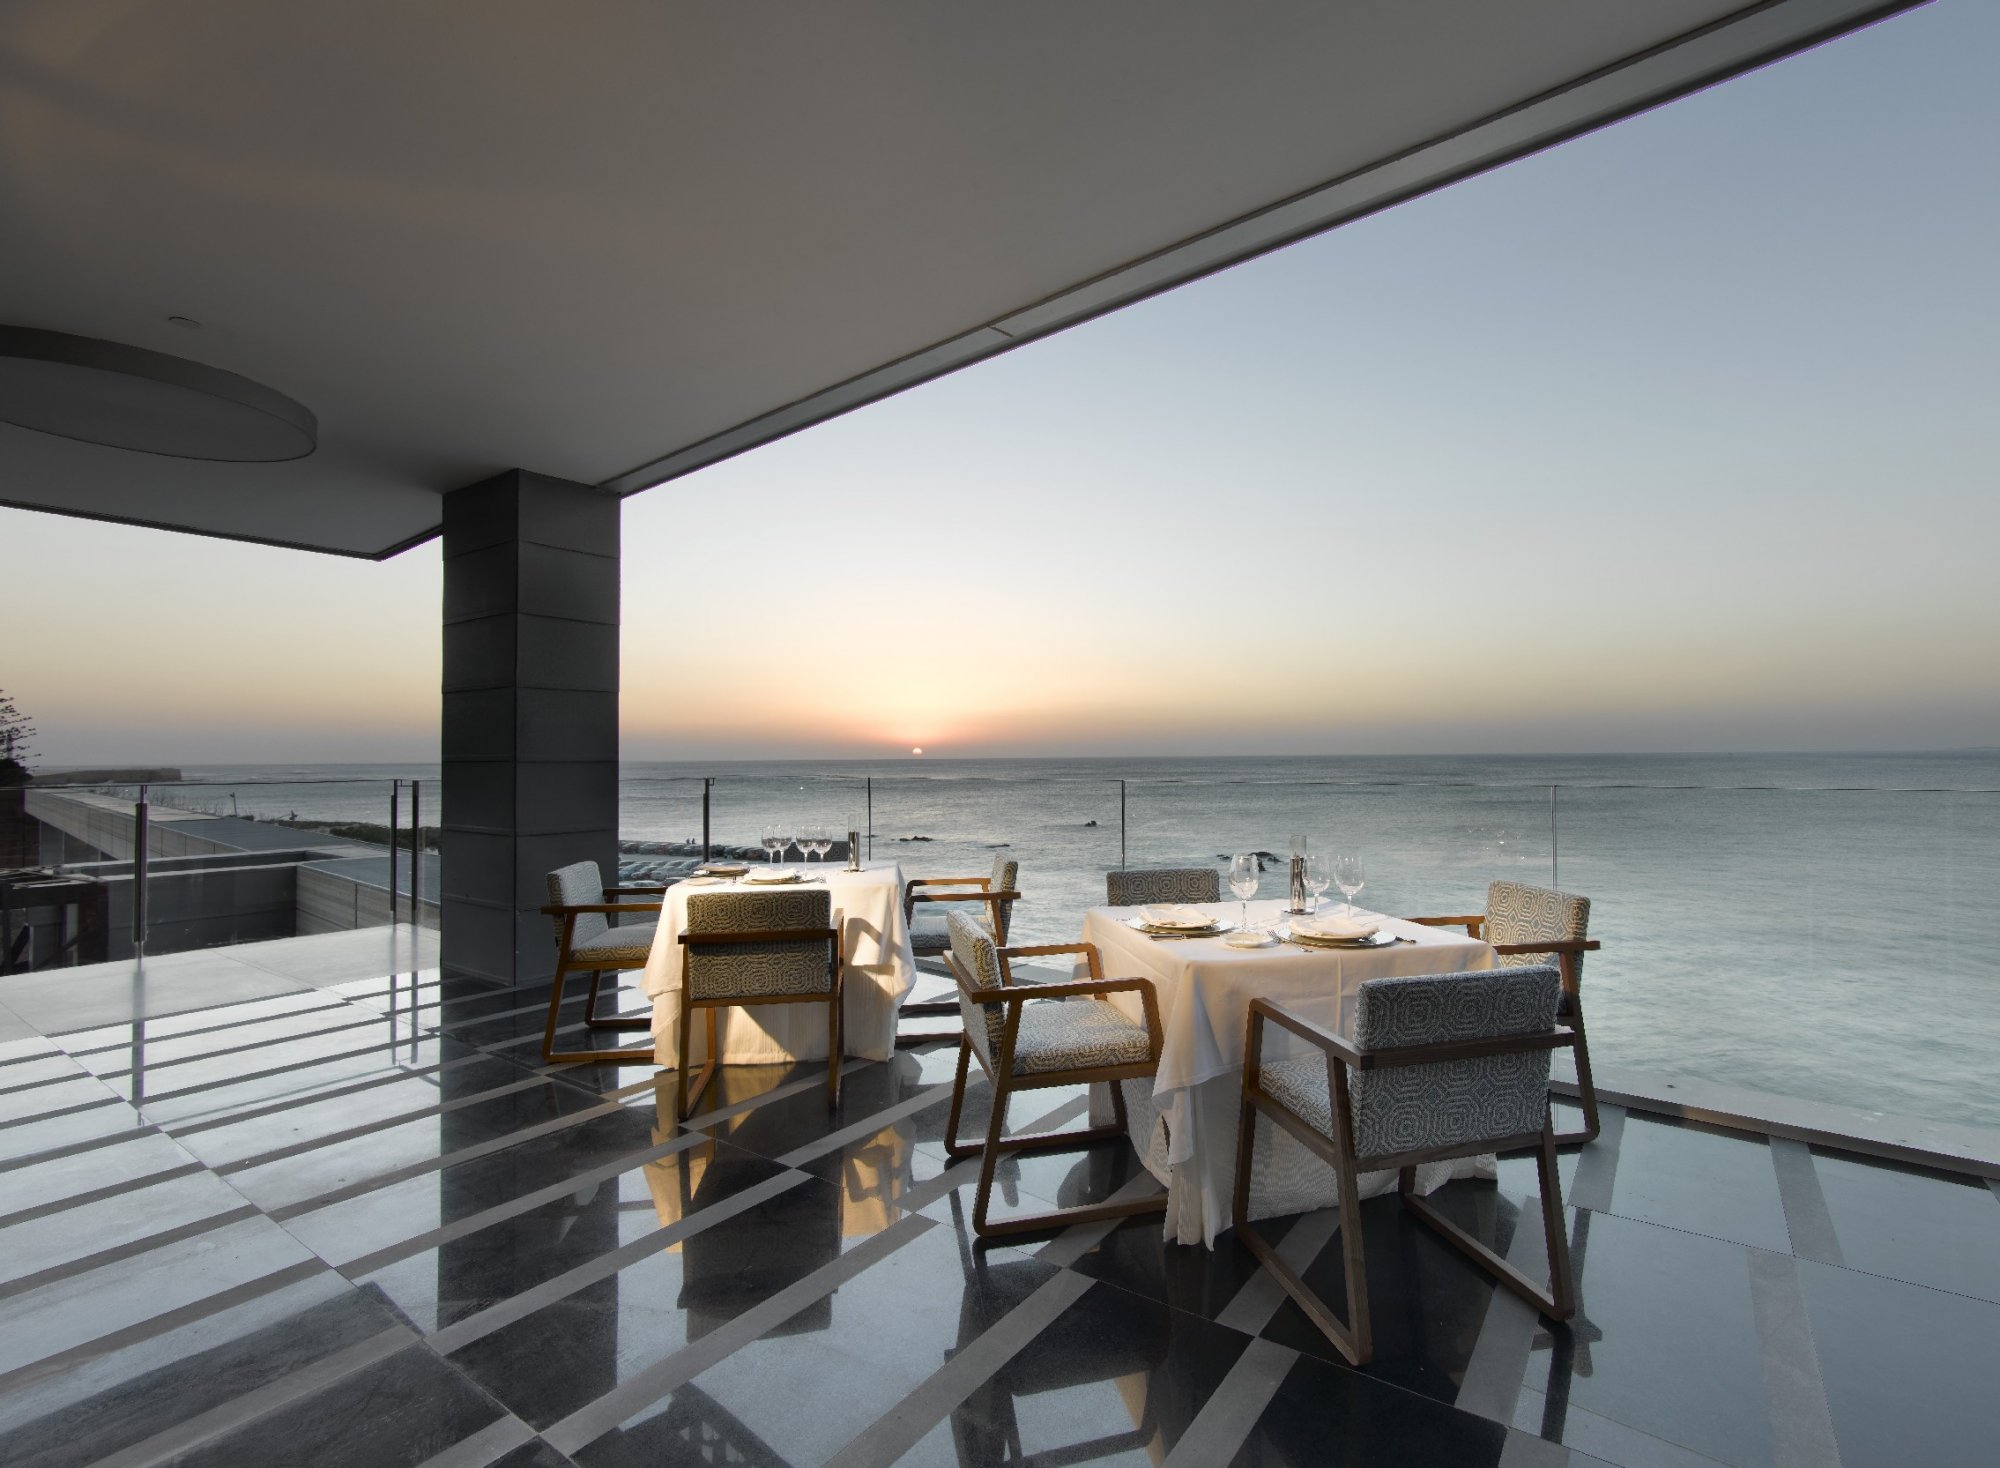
(129, 398)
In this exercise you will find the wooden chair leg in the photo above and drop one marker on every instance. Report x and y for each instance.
(555, 1008)
(1557, 1302)
(833, 1052)
(996, 1126)
(613, 1022)
(1586, 1084)
(636, 1055)
(952, 1146)
(1356, 1349)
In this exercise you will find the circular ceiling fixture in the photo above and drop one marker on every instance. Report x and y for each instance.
(129, 398)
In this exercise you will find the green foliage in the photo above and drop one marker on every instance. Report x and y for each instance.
(16, 733)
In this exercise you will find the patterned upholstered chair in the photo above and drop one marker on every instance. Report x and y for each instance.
(1441, 1066)
(1139, 886)
(1528, 925)
(587, 941)
(1028, 1036)
(930, 937)
(746, 948)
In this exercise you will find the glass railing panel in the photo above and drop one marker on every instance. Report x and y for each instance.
(228, 857)
(1426, 848)
(1838, 946)
(958, 818)
(661, 821)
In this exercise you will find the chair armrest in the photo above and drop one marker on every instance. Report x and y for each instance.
(636, 891)
(916, 882)
(1044, 950)
(1554, 945)
(1472, 922)
(1317, 1036)
(1000, 896)
(561, 909)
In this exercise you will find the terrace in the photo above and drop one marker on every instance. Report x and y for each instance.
(298, 1201)
(287, 1176)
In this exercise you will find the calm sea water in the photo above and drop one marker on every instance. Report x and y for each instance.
(1823, 926)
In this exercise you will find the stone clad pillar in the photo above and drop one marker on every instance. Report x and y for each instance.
(530, 728)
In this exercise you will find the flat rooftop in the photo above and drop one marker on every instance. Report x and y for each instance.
(295, 1202)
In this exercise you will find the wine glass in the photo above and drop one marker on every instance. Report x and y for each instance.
(1243, 880)
(1318, 878)
(1349, 878)
(775, 841)
(813, 842)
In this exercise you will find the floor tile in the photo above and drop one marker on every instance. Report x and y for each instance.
(129, 1395)
(1699, 1179)
(1665, 1340)
(1334, 1417)
(1910, 1223)
(457, 1278)
(75, 1311)
(395, 1413)
(1909, 1371)
(50, 1240)
(124, 1165)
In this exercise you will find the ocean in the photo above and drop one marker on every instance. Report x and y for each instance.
(1821, 926)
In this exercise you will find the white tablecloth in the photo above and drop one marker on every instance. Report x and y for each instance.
(879, 973)
(1204, 989)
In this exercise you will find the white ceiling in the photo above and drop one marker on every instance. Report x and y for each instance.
(613, 241)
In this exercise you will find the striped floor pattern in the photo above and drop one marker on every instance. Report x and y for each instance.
(354, 1221)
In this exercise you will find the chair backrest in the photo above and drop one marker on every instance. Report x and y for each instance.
(756, 970)
(1140, 885)
(1006, 871)
(1458, 1102)
(578, 885)
(1519, 913)
(978, 963)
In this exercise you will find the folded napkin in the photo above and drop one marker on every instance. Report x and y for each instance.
(1175, 915)
(772, 874)
(1349, 930)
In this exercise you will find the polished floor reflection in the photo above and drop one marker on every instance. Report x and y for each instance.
(316, 1212)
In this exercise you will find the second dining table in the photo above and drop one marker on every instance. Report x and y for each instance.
(878, 972)
(1187, 1135)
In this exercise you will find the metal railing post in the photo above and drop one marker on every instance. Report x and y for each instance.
(395, 846)
(142, 817)
(871, 817)
(1122, 863)
(1555, 862)
(707, 800)
(416, 853)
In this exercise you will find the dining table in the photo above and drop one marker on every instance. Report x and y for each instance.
(1185, 1125)
(878, 972)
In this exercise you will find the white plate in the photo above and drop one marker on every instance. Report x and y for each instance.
(1216, 927)
(772, 879)
(1249, 938)
(1380, 938)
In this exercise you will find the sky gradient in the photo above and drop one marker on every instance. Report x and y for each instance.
(1677, 437)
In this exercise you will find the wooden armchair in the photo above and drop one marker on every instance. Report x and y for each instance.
(1528, 925)
(1441, 1066)
(930, 936)
(746, 948)
(592, 937)
(1074, 1039)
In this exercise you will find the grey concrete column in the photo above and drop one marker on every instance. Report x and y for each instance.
(530, 736)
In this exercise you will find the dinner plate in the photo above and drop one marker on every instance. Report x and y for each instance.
(722, 869)
(772, 879)
(1380, 938)
(1216, 927)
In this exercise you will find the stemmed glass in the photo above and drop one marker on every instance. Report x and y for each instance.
(812, 841)
(775, 840)
(1318, 879)
(1349, 878)
(1243, 881)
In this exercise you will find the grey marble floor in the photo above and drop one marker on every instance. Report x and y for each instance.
(308, 1203)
